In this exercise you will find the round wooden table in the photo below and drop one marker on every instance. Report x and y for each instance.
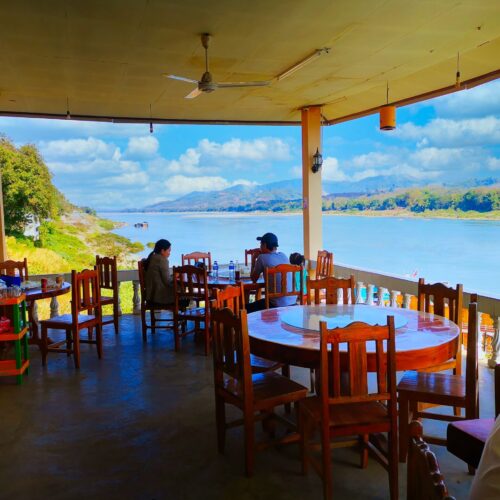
(291, 334)
(34, 294)
(223, 281)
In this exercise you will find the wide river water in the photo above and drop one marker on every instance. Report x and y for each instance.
(450, 250)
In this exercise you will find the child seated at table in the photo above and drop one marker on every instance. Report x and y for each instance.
(297, 259)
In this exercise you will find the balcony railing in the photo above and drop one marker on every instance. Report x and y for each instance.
(372, 288)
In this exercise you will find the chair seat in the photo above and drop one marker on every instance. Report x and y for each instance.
(269, 389)
(66, 320)
(466, 439)
(347, 415)
(432, 387)
(261, 365)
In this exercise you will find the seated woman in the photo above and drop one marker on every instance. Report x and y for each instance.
(297, 259)
(158, 279)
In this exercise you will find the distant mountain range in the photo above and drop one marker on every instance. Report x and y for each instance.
(242, 197)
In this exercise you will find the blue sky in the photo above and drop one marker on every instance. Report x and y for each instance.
(115, 166)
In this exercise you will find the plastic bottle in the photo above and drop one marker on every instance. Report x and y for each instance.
(231, 270)
(215, 269)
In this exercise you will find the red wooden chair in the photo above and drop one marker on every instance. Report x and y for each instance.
(440, 389)
(233, 298)
(277, 281)
(191, 285)
(108, 280)
(438, 298)
(146, 306)
(85, 298)
(195, 258)
(353, 410)
(424, 479)
(256, 395)
(15, 268)
(328, 288)
(324, 264)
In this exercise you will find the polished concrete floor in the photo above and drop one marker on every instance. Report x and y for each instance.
(140, 424)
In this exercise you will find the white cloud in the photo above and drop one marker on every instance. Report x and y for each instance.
(453, 133)
(264, 149)
(480, 101)
(331, 170)
(142, 147)
(73, 149)
(180, 184)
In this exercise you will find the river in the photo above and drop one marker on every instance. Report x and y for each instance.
(450, 250)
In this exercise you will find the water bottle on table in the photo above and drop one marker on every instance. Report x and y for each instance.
(231, 270)
(215, 269)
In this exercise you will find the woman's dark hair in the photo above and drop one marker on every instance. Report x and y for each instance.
(159, 246)
(297, 259)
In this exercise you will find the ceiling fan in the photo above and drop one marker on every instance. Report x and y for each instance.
(206, 84)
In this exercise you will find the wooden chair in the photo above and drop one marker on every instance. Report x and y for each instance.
(108, 280)
(194, 258)
(277, 280)
(466, 438)
(9, 268)
(85, 298)
(328, 288)
(191, 284)
(253, 253)
(155, 321)
(424, 479)
(440, 389)
(324, 264)
(439, 296)
(352, 410)
(236, 385)
(233, 298)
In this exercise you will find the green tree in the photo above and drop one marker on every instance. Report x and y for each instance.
(27, 186)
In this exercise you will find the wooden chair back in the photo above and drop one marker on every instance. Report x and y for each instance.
(190, 283)
(424, 479)
(231, 297)
(194, 258)
(284, 280)
(471, 369)
(440, 296)
(329, 289)
(231, 350)
(86, 293)
(9, 268)
(324, 264)
(356, 336)
(108, 272)
(253, 253)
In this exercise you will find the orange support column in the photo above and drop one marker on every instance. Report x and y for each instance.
(311, 183)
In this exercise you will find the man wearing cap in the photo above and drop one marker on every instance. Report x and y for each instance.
(269, 257)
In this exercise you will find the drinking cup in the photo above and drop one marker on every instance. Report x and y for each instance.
(43, 283)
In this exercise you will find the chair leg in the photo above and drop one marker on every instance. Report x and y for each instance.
(177, 339)
(153, 321)
(206, 333)
(403, 425)
(44, 345)
(364, 451)
(325, 459)
(285, 371)
(98, 338)
(393, 463)
(220, 417)
(249, 441)
(116, 317)
(143, 324)
(76, 348)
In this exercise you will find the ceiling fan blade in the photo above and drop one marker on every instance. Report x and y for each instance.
(194, 93)
(181, 78)
(243, 84)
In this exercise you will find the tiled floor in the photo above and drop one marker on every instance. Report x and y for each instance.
(140, 424)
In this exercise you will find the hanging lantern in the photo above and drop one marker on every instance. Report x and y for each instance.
(388, 117)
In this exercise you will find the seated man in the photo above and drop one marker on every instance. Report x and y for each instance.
(269, 257)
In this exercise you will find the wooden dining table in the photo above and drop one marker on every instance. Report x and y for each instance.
(34, 294)
(290, 335)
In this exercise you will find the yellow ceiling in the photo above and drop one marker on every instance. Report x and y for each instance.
(106, 57)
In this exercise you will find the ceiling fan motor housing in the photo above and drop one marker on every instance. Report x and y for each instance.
(206, 84)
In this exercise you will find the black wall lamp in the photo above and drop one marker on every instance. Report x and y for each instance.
(317, 161)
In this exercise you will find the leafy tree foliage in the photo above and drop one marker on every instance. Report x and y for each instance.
(27, 187)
